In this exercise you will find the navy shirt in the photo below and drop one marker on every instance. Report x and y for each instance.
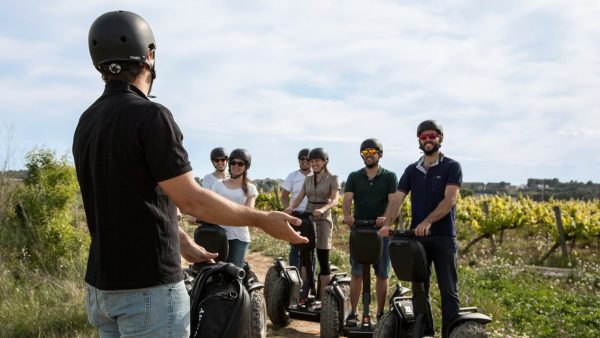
(427, 188)
(124, 144)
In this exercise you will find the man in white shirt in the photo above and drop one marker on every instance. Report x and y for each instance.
(292, 186)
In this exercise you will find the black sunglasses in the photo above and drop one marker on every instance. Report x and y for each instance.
(237, 163)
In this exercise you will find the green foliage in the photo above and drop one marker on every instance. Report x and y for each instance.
(39, 228)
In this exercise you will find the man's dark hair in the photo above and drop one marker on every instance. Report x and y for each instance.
(126, 71)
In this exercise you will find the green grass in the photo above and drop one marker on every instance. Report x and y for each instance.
(34, 304)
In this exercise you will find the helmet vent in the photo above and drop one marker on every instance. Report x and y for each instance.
(123, 39)
(95, 43)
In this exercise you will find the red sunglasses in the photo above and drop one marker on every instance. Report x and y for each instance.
(431, 136)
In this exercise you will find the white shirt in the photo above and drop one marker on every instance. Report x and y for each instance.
(293, 183)
(237, 196)
(209, 180)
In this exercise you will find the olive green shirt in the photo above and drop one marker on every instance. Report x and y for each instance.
(371, 195)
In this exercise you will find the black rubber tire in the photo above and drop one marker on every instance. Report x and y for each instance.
(258, 314)
(330, 313)
(277, 298)
(469, 329)
(272, 275)
(386, 326)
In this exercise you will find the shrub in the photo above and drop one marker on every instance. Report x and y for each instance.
(39, 226)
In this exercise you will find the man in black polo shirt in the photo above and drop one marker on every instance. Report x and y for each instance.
(370, 188)
(133, 171)
(434, 182)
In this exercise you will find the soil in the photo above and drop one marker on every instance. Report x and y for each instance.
(297, 329)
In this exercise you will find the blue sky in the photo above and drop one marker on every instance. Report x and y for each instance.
(513, 82)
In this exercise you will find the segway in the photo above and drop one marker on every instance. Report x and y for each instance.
(288, 296)
(214, 239)
(408, 316)
(366, 248)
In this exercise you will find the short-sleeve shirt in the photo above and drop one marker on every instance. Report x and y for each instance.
(371, 195)
(320, 194)
(236, 195)
(293, 183)
(427, 189)
(209, 180)
(123, 145)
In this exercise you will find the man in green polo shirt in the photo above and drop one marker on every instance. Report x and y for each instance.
(370, 188)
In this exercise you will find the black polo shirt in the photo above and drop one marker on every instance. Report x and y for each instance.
(371, 195)
(427, 188)
(123, 145)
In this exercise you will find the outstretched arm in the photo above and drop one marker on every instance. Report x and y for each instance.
(210, 207)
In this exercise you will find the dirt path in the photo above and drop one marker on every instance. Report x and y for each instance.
(297, 329)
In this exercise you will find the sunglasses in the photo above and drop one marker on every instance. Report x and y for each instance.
(304, 158)
(222, 159)
(237, 163)
(431, 136)
(370, 151)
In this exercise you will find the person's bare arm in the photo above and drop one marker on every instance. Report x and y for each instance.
(347, 208)
(250, 201)
(442, 209)
(392, 211)
(296, 202)
(191, 251)
(285, 198)
(210, 207)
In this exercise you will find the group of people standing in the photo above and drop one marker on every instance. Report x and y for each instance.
(375, 193)
(134, 172)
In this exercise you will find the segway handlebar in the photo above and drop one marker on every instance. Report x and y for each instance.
(364, 223)
(301, 214)
(410, 233)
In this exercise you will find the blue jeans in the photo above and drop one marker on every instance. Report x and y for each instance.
(158, 311)
(237, 252)
(442, 252)
(382, 267)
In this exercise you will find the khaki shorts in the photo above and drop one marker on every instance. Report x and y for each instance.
(323, 233)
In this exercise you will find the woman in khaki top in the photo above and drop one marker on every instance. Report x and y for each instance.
(322, 191)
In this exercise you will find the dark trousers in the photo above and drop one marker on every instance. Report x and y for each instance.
(442, 252)
(294, 258)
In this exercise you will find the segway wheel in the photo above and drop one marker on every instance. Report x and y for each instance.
(277, 291)
(386, 326)
(272, 275)
(258, 314)
(469, 329)
(330, 313)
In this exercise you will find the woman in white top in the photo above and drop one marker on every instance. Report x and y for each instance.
(238, 189)
(218, 157)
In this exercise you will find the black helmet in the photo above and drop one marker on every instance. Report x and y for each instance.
(303, 153)
(318, 153)
(431, 125)
(120, 36)
(372, 143)
(218, 153)
(241, 154)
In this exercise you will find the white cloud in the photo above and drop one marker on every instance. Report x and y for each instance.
(513, 82)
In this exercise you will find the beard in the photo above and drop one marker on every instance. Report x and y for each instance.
(372, 164)
(435, 147)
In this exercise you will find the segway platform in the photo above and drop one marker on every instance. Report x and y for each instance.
(358, 331)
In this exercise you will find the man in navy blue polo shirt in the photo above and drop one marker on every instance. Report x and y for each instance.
(434, 182)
